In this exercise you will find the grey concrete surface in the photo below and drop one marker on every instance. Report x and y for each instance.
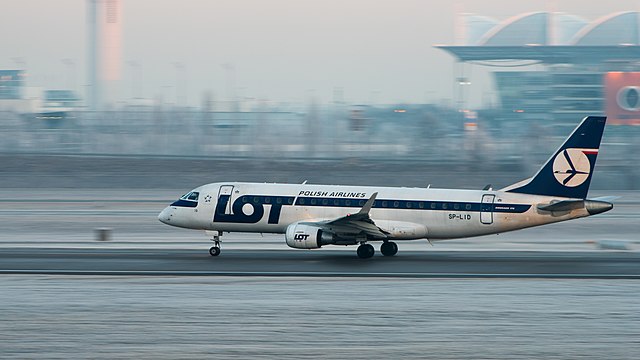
(187, 317)
(446, 264)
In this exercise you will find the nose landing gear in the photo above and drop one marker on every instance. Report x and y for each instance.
(215, 249)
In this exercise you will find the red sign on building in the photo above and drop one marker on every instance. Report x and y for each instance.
(622, 91)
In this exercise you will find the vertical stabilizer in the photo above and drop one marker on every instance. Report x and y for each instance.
(568, 172)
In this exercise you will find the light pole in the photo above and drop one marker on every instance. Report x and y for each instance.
(20, 62)
(230, 83)
(180, 85)
(136, 79)
(71, 73)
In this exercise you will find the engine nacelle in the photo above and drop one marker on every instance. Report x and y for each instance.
(302, 236)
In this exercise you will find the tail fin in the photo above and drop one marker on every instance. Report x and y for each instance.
(568, 172)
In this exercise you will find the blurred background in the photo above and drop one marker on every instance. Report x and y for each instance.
(426, 88)
(111, 109)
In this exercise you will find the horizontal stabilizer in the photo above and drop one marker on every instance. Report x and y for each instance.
(564, 205)
(592, 206)
(606, 198)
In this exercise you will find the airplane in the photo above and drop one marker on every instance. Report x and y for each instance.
(314, 216)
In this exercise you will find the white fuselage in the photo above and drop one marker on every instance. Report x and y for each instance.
(405, 213)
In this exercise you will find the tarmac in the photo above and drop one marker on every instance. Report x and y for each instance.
(409, 264)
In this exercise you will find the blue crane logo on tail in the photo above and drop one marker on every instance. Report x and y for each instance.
(572, 167)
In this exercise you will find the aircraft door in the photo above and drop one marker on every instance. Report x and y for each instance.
(486, 209)
(226, 191)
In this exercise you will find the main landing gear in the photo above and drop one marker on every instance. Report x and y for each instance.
(388, 248)
(365, 251)
(215, 249)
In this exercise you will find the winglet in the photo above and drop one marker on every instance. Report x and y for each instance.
(367, 206)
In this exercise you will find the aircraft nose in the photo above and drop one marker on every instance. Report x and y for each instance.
(165, 215)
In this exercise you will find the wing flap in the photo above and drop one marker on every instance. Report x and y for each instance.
(359, 223)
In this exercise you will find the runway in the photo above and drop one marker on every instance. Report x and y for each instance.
(52, 231)
(153, 291)
(291, 263)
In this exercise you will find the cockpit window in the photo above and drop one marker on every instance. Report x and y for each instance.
(189, 200)
(193, 196)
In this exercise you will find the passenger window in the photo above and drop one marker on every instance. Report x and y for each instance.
(279, 200)
(384, 204)
(421, 205)
(409, 205)
(347, 202)
(244, 199)
(444, 206)
(456, 206)
(361, 202)
(433, 205)
(325, 202)
(256, 199)
(301, 201)
(267, 200)
(313, 201)
(396, 204)
(468, 206)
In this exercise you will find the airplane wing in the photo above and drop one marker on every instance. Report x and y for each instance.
(359, 223)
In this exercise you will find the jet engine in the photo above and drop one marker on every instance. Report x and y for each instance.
(302, 236)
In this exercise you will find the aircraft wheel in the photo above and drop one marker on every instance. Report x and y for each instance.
(214, 251)
(389, 248)
(365, 251)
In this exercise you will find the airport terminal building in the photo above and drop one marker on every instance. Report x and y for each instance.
(555, 67)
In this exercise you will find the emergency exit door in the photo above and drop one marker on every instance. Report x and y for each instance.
(486, 209)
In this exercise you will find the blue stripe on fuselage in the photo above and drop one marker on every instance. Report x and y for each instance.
(388, 204)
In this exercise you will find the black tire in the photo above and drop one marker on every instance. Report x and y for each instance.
(389, 248)
(214, 251)
(366, 251)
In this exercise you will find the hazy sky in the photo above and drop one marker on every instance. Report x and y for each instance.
(282, 50)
